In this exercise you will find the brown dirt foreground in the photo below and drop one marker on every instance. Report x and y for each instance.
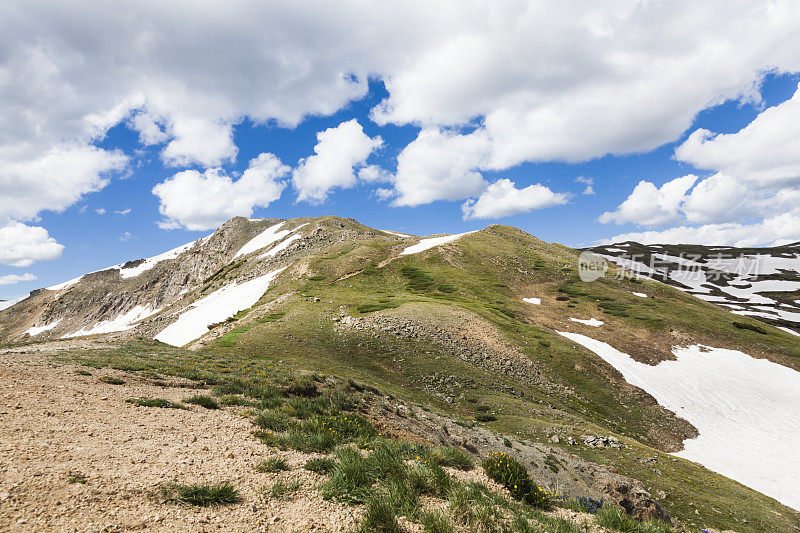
(55, 423)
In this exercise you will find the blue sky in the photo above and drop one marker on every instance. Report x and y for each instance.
(472, 143)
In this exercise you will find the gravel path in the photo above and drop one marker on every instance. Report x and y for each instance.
(56, 423)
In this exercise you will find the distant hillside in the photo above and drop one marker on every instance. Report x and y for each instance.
(758, 282)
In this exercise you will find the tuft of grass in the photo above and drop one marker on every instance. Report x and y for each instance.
(203, 400)
(201, 494)
(485, 417)
(272, 419)
(77, 478)
(320, 465)
(435, 521)
(154, 402)
(111, 381)
(83, 372)
(234, 399)
(614, 519)
(452, 457)
(283, 488)
(351, 478)
(271, 465)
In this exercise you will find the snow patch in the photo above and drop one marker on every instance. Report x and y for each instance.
(640, 294)
(216, 307)
(390, 232)
(5, 304)
(123, 322)
(41, 329)
(150, 262)
(591, 322)
(269, 236)
(787, 330)
(534, 301)
(745, 410)
(272, 252)
(432, 242)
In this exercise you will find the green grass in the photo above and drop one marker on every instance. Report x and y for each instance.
(83, 372)
(232, 337)
(452, 457)
(615, 520)
(111, 381)
(751, 327)
(283, 488)
(201, 495)
(77, 478)
(320, 465)
(203, 400)
(154, 402)
(271, 465)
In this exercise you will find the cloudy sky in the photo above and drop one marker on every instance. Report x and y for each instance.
(128, 128)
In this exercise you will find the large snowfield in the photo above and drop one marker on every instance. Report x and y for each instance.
(746, 410)
(216, 307)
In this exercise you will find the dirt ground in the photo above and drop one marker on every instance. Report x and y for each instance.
(56, 424)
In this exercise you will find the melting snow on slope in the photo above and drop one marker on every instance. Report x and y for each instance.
(397, 233)
(787, 330)
(8, 303)
(150, 262)
(745, 410)
(41, 329)
(272, 252)
(639, 294)
(432, 242)
(534, 301)
(121, 323)
(216, 307)
(269, 236)
(591, 322)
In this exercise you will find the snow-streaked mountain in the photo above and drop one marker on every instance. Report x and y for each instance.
(760, 282)
(176, 295)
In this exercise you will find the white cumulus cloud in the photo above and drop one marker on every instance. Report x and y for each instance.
(649, 205)
(503, 199)
(201, 201)
(765, 152)
(338, 152)
(22, 245)
(12, 279)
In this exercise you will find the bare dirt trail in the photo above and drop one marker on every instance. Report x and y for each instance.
(56, 424)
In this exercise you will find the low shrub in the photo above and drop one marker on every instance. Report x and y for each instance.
(485, 417)
(507, 471)
(111, 381)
